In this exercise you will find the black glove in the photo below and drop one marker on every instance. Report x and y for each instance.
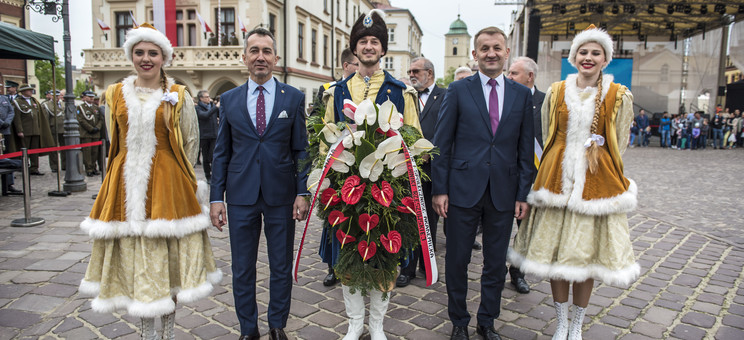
(95, 130)
(4, 125)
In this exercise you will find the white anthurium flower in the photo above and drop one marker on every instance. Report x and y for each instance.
(397, 164)
(365, 112)
(342, 163)
(331, 132)
(314, 178)
(391, 144)
(421, 145)
(353, 139)
(389, 117)
(371, 167)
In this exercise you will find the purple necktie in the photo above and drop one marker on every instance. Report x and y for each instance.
(261, 112)
(493, 105)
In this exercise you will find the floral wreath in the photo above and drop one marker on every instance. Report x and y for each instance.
(362, 196)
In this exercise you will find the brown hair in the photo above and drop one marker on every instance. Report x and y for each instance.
(490, 30)
(592, 153)
(167, 106)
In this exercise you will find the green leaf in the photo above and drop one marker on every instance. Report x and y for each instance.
(364, 150)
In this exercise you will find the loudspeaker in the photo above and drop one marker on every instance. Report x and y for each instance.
(534, 37)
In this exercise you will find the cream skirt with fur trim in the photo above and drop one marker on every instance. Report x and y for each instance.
(556, 243)
(142, 275)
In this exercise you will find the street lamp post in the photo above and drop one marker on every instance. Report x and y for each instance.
(74, 177)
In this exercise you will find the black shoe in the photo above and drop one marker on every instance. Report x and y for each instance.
(521, 285)
(277, 334)
(249, 337)
(14, 191)
(96, 172)
(488, 333)
(54, 170)
(330, 280)
(459, 333)
(403, 280)
(36, 173)
(477, 246)
(90, 173)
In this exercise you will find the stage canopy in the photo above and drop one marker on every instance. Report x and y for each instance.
(652, 20)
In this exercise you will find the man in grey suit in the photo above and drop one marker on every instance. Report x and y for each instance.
(430, 98)
(523, 70)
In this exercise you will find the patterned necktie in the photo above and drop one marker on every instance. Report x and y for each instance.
(493, 105)
(261, 112)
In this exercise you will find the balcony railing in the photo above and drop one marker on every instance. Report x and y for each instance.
(193, 58)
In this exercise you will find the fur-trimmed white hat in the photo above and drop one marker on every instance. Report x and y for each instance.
(147, 32)
(592, 34)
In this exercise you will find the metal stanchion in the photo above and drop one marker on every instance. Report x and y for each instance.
(59, 192)
(27, 221)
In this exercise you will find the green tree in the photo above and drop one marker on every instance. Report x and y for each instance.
(43, 70)
(79, 88)
(449, 77)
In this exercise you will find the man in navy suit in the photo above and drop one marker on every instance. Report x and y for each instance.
(430, 98)
(483, 174)
(261, 138)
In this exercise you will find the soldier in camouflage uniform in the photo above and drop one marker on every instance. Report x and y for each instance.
(56, 125)
(90, 131)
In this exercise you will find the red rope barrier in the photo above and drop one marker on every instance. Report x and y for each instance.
(44, 150)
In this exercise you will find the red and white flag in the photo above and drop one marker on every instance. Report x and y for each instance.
(164, 18)
(204, 26)
(103, 25)
(242, 27)
(134, 22)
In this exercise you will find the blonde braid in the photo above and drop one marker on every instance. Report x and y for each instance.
(167, 106)
(592, 152)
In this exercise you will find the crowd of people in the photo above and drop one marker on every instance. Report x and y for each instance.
(27, 123)
(692, 131)
(149, 222)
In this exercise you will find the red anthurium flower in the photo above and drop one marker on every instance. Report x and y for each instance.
(367, 221)
(336, 217)
(383, 194)
(389, 133)
(407, 206)
(344, 238)
(391, 242)
(329, 197)
(367, 250)
(351, 191)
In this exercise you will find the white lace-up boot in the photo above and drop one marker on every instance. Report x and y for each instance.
(577, 320)
(168, 321)
(147, 327)
(561, 316)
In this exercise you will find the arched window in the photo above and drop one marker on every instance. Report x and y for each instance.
(454, 50)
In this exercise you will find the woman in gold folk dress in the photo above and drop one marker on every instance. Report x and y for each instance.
(149, 230)
(577, 230)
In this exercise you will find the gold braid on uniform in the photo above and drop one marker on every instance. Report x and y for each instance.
(592, 153)
(167, 108)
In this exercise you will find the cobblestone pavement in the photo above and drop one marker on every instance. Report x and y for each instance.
(686, 235)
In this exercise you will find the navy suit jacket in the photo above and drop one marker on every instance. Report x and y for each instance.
(428, 116)
(472, 158)
(246, 164)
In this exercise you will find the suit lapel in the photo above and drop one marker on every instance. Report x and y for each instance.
(433, 97)
(243, 104)
(476, 91)
(508, 100)
(278, 103)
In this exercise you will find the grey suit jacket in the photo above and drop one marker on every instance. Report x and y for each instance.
(537, 102)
